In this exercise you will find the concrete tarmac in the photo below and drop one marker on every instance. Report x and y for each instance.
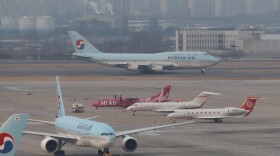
(236, 70)
(256, 135)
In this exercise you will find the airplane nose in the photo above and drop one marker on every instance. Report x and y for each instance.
(170, 115)
(217, 60)
(129, 108)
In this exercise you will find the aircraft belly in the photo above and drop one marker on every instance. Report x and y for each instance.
(96, 143)
(192, 64)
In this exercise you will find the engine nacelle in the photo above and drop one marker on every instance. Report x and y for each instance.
(49, 144)
(129, 144)
(133, 67)
(235, 111)
(157, 68)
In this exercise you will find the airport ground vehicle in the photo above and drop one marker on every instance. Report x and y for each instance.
(78, 108)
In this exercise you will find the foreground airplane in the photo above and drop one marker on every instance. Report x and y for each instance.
(162, 96)
(217, 114)
(10, 134)
(156, 62)
(169, 107)
(85, 132)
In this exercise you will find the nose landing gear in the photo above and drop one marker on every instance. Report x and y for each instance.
(104, 152)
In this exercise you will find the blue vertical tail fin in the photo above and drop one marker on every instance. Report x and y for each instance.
(10, 134)
(60, 105)
(81, 44)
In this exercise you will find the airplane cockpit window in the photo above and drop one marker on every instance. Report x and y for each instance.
(206, 54)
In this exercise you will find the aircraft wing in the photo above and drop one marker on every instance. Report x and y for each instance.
(165, 110)
(68, 138)
(132, 98)
(42, 121)
(145, 65)
(135, 131)
(94, 117)
(215, 117)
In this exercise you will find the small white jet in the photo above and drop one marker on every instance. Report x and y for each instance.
(85, 132)
(217, 114)
(144, 62)
(169, 107)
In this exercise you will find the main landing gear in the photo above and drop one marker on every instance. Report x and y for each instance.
(218, 120)
(104, 152)
(60, 152)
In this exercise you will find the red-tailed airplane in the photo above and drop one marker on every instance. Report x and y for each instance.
(216, 114)
(162, 96)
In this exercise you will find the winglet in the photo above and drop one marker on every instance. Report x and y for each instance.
(10, 134)
(60, 105)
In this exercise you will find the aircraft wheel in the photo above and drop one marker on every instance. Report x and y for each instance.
(100, 152)
(59, 153)
(106, 151)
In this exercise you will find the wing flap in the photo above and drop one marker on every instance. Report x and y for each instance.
(135, 131)
(42, 121)
(212, 117)
(68, 138)
(165, 110)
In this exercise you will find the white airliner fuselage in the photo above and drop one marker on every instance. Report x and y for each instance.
(156, 62)
(168, 107)
(208, 113)
(216, 114)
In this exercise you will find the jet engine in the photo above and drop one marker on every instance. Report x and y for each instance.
(236, 111)
(49, 144)
(133, 67)
(129, 144)
(157, 68)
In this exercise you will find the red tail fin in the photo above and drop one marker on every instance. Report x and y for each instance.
(249, 104)
(162, 96)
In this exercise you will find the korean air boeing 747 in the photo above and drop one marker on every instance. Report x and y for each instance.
(85, 132)
(156, 62)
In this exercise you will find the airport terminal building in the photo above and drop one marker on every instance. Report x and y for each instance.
(251, 41)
